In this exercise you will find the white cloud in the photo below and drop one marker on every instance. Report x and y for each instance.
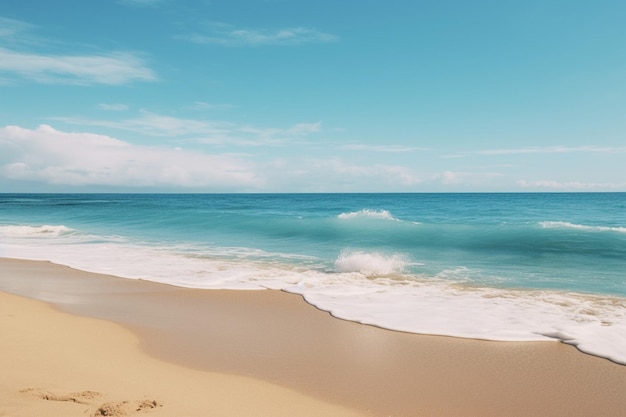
(114, 68)
(50, 156)
(226, 35)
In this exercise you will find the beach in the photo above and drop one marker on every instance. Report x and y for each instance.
(94, 341)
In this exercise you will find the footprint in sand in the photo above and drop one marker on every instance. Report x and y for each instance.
(125, 408)
(92, 398)
(83, 397)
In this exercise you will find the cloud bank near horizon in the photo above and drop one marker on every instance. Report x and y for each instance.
(50, 156)
(71, 160)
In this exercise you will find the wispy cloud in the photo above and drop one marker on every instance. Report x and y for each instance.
(350, 176)
(383, 148)
(11, 28)
(571, 185)
(113, 107)
(460, 177)
(542, 150)
(153, 124)
(51, 156)
(227, 35)
(114, 68)
(21, 59)
(554, 149)
(297, 130)
(200, 131)
(203, 106)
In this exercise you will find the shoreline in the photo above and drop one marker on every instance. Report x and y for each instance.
(276, 338)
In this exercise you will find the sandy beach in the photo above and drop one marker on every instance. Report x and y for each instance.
(75, 343)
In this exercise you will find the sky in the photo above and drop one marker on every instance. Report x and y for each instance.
(312, 96)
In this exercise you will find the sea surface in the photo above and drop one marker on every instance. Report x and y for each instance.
(509, 267)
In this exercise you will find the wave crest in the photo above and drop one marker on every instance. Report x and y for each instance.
(568, 225)
(370, 263)
(366, 213)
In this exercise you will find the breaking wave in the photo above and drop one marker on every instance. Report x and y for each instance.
(366, 213)
(370, 263)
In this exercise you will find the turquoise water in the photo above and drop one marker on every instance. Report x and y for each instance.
(490, 266)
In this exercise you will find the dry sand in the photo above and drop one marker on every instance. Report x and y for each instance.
(56, 364)
(185, 352)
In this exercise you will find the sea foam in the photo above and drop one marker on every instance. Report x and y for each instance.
(595, 325)
(25, 231)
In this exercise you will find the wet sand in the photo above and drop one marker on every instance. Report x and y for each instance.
(310, 359)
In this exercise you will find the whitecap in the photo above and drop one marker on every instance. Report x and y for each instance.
(366, 213)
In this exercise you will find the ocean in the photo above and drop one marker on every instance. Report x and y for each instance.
(506, 267)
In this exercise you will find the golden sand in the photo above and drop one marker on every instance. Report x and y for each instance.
(139, 347)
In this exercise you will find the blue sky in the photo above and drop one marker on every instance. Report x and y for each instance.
(312, 96)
